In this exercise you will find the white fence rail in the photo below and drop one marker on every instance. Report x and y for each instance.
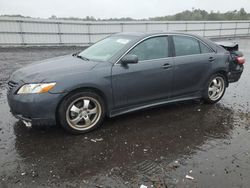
(17, 31)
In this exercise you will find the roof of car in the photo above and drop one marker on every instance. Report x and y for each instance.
(151, 33)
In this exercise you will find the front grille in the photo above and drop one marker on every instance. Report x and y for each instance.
(11, 85)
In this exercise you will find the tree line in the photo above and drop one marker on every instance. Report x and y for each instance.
(197, 14)
(187, 15)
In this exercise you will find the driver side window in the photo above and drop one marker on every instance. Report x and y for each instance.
(153, 48)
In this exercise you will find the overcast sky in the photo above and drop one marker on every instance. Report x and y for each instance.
(114, 8)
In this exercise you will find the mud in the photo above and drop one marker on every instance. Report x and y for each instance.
(156, 147)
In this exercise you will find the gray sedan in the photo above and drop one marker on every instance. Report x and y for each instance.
(119, 74)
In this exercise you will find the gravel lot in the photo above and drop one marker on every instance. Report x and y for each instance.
(158, 147)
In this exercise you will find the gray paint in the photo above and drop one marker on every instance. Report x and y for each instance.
(125, 88)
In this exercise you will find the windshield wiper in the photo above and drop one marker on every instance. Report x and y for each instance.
(79, 56)
(83, 58)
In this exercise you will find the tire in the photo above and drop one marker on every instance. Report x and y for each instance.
(81, 112)
(215, 88)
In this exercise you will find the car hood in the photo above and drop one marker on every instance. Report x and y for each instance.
(51, 69)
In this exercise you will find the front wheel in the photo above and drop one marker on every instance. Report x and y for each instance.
(215, 88)
(81, 112)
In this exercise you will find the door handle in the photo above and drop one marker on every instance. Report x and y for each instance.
(166, 66)
(211, 59)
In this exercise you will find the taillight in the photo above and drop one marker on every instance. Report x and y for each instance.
(240, 60)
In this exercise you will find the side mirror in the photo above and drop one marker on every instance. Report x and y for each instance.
(129, 59)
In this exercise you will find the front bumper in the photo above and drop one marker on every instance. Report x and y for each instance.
(37, 109)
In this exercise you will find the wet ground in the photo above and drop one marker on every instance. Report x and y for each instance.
(156, 148)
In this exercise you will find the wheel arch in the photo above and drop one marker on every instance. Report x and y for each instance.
(220, 71)
(80, 89)
(224, 73)
(205, 91)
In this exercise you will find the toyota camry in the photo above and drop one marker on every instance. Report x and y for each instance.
(122, 73)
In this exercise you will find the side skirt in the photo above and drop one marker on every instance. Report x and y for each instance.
(120, 111)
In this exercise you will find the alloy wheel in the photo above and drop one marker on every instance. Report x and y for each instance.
(216, 88)
(83, 113)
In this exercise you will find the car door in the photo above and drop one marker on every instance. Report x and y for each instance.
(193, 63)
(149, 79)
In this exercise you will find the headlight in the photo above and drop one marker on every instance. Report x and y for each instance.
(36, 88)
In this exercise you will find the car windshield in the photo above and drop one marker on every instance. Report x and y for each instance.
(106, 48)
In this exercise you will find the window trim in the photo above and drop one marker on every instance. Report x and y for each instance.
(142, 40)
(171, 45)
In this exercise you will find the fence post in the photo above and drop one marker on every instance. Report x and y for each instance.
(204, 29)
(146, 26)
(21, 31)
(122, 27)
(235, 29)
(167, 26)
(89, 37)
(220, 29)
(59, 33)
(248, 29)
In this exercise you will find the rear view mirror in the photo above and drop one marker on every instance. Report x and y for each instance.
(129, 59)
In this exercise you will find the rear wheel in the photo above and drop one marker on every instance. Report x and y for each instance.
(81, 112)
(215, 88)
